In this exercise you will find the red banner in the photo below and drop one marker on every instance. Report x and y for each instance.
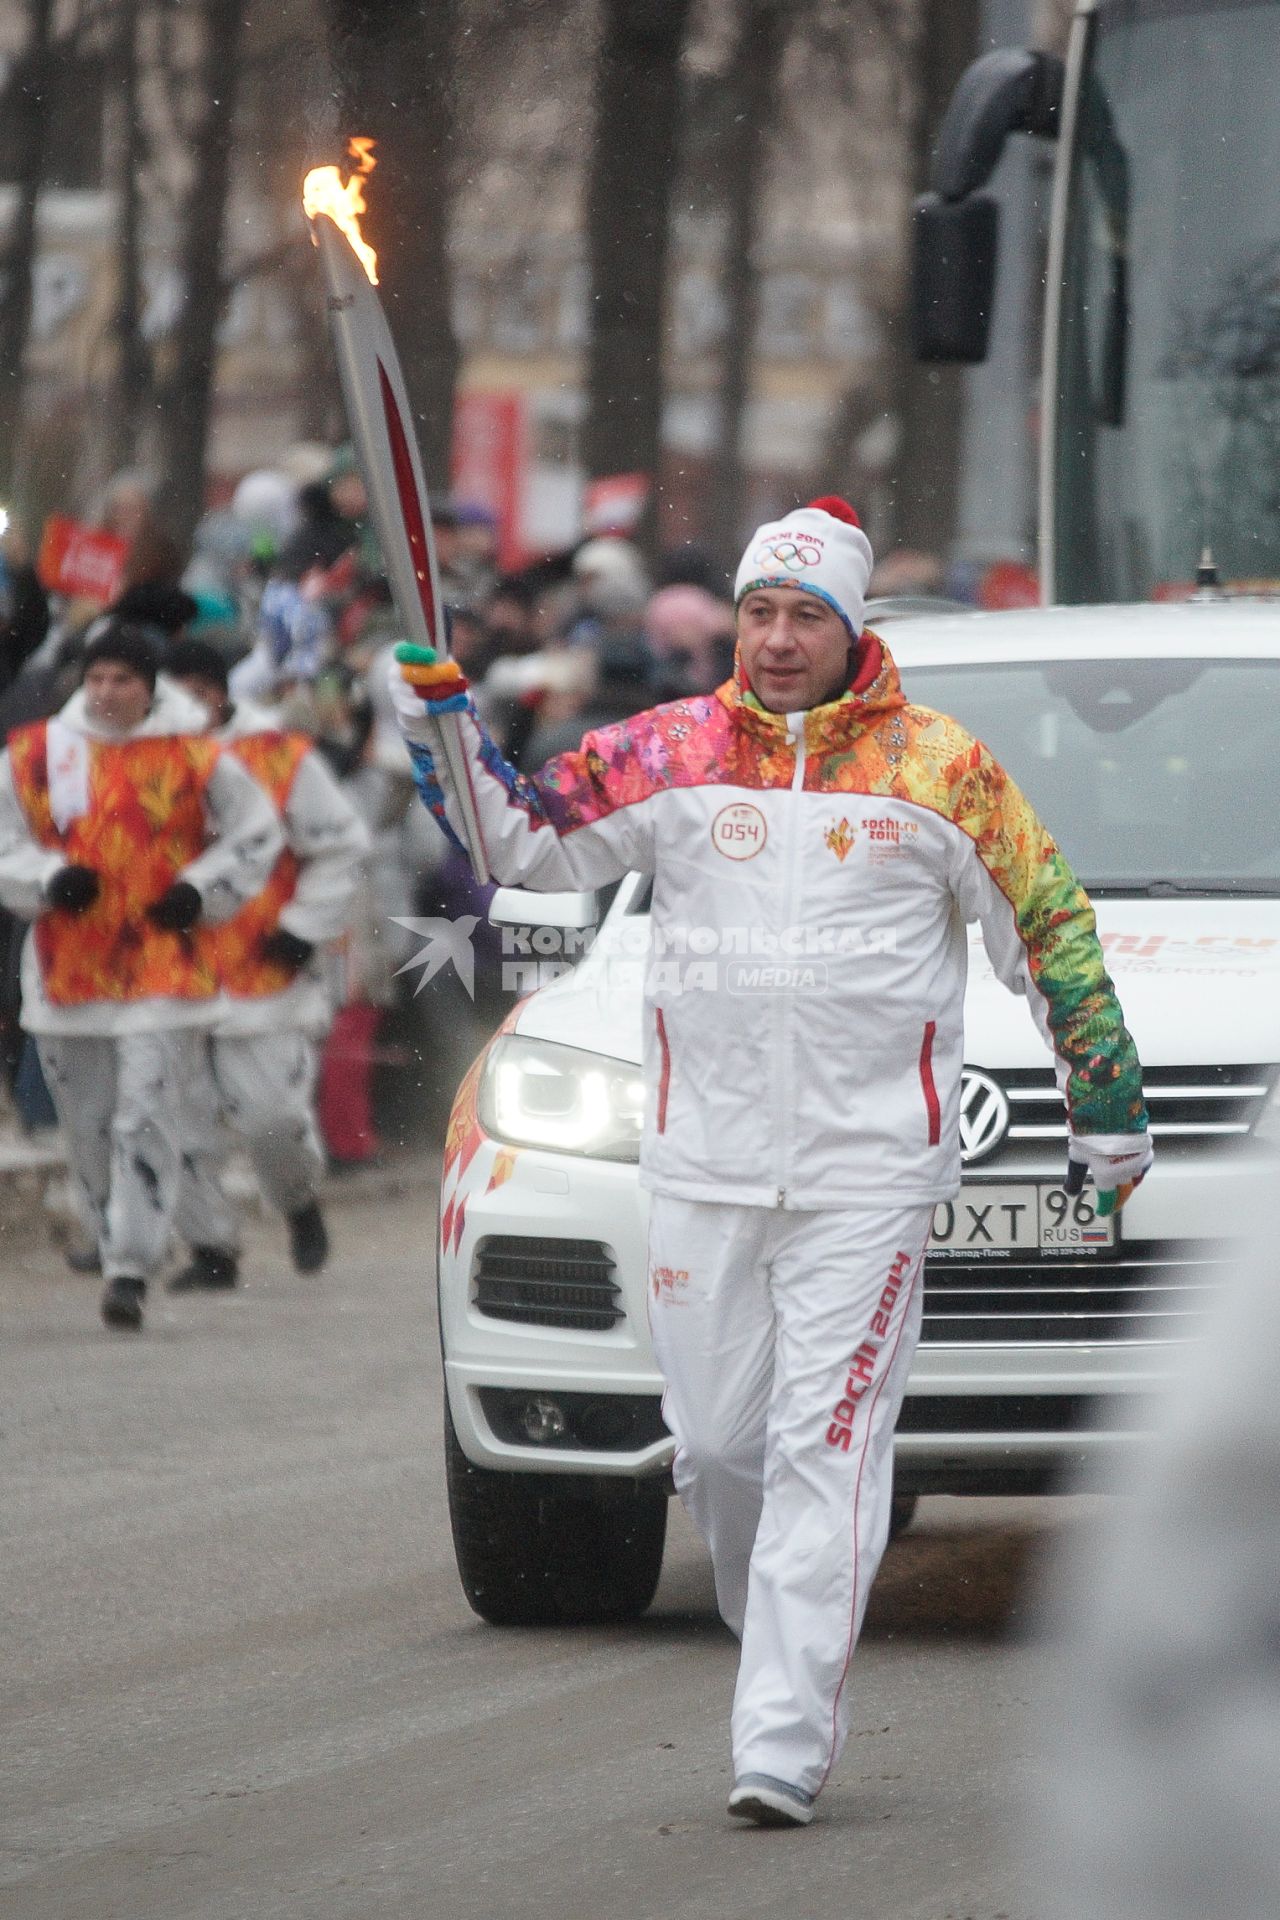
(82, 562)
(488, 462)
(614, 503)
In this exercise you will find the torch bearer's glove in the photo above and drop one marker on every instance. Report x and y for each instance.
(1117, 1161)
(73, 888)
(177, 909)
(285, 949)
(433, 685)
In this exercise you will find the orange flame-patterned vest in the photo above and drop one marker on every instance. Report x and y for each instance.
(235, 948)
(144, 822)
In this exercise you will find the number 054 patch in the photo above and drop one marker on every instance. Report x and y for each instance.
(739, 832)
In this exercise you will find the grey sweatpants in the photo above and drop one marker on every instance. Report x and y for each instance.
(260, 1086)
(118, 1102)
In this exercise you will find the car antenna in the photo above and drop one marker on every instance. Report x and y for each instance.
(1208, 585)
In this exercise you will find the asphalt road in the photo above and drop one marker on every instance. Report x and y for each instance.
(240, 1680)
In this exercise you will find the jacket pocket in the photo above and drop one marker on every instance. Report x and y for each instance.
(664, 1070)
(932, 1109)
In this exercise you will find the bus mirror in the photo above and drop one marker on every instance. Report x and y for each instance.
(953, 277)
(1010, 90)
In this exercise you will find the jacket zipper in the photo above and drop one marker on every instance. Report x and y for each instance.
(787, 1010)
(664, 1077)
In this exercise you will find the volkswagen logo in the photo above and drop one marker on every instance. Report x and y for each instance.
(984, 1116)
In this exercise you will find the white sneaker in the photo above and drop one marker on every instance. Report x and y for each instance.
(770, 1802)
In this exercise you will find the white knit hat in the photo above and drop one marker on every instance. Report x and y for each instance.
(820, 548)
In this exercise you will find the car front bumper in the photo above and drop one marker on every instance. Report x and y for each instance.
(978, 1417)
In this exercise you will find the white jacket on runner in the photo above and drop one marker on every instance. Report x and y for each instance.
(813, 875)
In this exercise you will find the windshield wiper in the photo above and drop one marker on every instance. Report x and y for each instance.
(1187, 889)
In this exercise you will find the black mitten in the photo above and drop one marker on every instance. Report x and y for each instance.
(287, 949)
(177, 909)
(73, 889)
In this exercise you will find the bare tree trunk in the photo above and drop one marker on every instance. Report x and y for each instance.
(28, 102)
(319, 403)
(752, 90)
(394, 69)
(188, 391)
(925, 483)
(838, 467)
(633, 162)
(133, 362)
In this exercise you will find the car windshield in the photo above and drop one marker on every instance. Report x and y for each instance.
(1149, 773)
(1169, 352)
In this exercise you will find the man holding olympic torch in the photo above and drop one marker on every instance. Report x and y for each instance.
(795, 1146)
(793, 1159)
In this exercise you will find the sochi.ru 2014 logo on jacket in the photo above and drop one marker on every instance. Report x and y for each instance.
(840, 836)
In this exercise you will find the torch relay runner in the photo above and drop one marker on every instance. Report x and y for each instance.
(795, 1146)
(255, 1068)
(124, 834)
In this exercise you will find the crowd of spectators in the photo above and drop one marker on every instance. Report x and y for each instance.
(287, 582)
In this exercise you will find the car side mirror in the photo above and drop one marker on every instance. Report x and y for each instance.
(522, 907)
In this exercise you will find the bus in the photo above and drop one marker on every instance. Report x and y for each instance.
(1160, 402)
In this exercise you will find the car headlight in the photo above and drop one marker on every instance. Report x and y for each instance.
(534, 1093)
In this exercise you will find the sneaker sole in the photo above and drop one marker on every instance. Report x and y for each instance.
(764, 1810)
(313, 1254)
(121, 1317)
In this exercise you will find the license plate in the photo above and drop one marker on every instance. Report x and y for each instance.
(1030, 1217)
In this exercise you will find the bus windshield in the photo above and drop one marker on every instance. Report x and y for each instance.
(1169, 345)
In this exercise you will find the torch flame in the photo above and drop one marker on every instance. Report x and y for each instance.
(325, 191)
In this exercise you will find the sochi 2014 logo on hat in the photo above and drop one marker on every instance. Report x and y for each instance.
(794, 552)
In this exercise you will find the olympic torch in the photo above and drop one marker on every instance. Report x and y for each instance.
(379, 418)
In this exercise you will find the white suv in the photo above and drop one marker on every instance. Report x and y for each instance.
(1145, 737)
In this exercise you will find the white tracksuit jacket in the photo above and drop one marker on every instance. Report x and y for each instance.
(847, 847)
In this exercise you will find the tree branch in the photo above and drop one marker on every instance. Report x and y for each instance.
(267, 260)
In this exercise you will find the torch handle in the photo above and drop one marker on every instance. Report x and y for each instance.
(451, 752)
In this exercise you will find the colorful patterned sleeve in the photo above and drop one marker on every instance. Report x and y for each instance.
(1040, 932)
(566, 827)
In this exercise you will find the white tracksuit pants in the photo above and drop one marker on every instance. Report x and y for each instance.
(260, 1085)
(785, 1340)
(118, 1102)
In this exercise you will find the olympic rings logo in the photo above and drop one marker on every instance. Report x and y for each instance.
(795, 554)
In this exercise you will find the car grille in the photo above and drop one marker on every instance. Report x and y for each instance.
(1187, 1105)
(1010, 1412)
(547, 1283)
(1152, 1290)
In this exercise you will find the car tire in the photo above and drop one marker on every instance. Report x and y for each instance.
(901, 1513)
(541, 1550)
